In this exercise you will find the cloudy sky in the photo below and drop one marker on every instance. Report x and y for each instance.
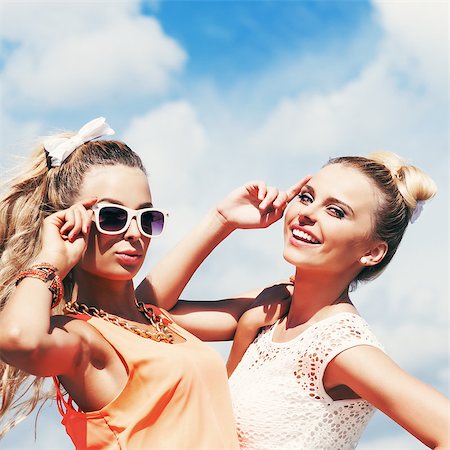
(215, 93)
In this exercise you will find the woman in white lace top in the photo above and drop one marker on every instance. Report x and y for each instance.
(312, 379)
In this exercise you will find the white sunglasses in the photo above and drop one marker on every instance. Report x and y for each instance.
(115, 219)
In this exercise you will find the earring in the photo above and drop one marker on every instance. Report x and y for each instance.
(364, 260)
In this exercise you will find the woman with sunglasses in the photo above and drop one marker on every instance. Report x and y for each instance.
(69, 231)
(313, 378)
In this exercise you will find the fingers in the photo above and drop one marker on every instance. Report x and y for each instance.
(296, 188)
(269, 198)
(271, 217)
(281, 200)
(262, 190)
(257, 188)
(69, 220)
(88, 202)
(76, 220)
(274, 205)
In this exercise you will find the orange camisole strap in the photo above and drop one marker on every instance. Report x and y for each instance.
(63, 404)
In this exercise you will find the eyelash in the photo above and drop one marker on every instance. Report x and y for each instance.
(302, 197)
(337, 212)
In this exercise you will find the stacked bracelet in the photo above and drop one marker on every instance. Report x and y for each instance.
(46, 273)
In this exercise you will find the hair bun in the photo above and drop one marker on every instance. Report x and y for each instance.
(414, 184)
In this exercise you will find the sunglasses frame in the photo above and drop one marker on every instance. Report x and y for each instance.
(131, 214)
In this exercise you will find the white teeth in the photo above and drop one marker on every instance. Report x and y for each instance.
(304, 236)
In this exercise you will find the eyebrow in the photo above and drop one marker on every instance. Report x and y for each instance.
(331, 199)
(117, 202)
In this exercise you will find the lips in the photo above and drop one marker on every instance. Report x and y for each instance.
(129, 256)
(129, 253)
(301, 235)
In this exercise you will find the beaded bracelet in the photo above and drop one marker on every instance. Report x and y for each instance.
(46, 273)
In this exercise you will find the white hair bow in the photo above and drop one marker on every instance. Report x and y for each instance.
(59, 148)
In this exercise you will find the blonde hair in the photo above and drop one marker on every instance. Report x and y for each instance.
(401, 187)
(36, 192)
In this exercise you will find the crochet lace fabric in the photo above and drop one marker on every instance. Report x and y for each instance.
(278, 397)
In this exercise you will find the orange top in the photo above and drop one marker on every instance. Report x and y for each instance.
(176, 397)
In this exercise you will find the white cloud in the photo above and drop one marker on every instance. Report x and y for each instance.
(414, 346)
(171, 141)
(16, 137)
(418, 30)
(79, 54)
(443, 375)
(369, 112)
(384, 105)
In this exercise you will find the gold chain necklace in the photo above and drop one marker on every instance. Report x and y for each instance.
(162, 333)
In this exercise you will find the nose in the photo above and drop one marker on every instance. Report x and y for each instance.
(132, 233)
(306, 215)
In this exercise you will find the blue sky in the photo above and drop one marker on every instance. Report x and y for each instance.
(230, 39)
(215, 93)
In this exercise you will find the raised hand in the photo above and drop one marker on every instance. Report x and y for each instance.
(64, 236)
(296, 188)
(256, 205)
(253, 205)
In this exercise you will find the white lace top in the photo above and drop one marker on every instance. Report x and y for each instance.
(278, 397)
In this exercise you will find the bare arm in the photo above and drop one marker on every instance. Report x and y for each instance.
(267, 308)
(417, 407)
(31, 339)
(164, 284)
(217, 320)
(243, 337)
(252, 206)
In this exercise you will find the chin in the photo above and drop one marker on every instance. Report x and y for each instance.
(117, 273)
(126, 273)
(302, 259)
(293, 257)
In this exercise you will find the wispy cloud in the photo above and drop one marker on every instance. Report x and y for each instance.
(172, 142)
(75, 56)
(386, 105)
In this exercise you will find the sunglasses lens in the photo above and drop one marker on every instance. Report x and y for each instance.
(152, 222)
(112, 218)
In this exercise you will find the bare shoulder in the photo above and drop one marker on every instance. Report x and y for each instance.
(359, 364)
(279, 290)
(361, 354)
(76, 326)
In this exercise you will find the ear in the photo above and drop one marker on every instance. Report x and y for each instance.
(375, 254)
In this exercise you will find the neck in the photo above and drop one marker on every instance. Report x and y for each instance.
(112, 296)
(313, 292)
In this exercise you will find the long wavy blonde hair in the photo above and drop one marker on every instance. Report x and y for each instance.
(36, 192)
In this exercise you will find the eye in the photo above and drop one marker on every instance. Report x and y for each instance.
(305, 197)
(337, 212)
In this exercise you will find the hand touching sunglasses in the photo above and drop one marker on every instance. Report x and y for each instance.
(115, 219)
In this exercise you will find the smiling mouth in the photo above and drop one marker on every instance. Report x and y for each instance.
(300, 235)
